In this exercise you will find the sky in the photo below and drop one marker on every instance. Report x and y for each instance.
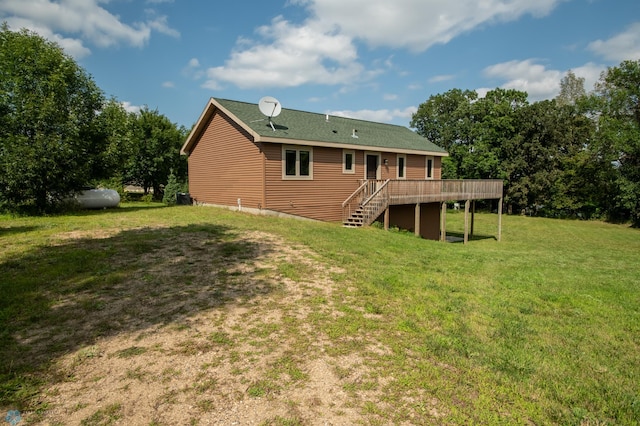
(376, 60)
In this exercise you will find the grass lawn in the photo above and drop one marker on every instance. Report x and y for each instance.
(295, 322)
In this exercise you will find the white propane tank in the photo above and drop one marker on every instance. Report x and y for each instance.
(98, 198)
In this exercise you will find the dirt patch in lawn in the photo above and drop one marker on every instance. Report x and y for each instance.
(205, 329)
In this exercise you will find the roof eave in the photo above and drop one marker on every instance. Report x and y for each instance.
(353, 146)
(201, 124)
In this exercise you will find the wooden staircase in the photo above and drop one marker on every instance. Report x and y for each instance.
(356, 219)
(365, 205)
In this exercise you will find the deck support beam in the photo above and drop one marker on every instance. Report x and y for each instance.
(499, 219)
(443, 221)
(466, 221)
(417, 220)
(473, 217)
(386, 219)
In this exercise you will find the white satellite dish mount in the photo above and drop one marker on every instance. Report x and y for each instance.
(270, 107)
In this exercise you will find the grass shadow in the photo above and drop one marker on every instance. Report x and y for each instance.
(63, 297)
(458, 237)
(127, 208)
(5, 232)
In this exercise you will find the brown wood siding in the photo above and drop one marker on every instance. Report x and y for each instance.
(404, 217)
(320, 198)
(430, 221)
(437, 167)
(416, 166)
(225, 165)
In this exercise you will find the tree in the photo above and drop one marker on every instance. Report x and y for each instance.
(155, 152)
(446, 120)
(116, 127)
(571, 89)
(49, 138)
(548, 166)
(617, 101)
(496, 126)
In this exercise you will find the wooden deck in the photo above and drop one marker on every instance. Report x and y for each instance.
(374, 197)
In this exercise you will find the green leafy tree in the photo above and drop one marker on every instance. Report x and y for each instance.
(172, 189)
(49, 139)
(496, 127)
(447, 120)
(539, 149)
(617, 105)
(155, 152)
(116, 126)
(547, 167)
(571, 89)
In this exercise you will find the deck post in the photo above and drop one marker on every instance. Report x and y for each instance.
(443, 221)
(417, 220)
(473, 217)
(386, 219)
(500, 219)
(466, 221)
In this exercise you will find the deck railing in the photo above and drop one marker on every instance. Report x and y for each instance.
(396, 191)
(424, 191)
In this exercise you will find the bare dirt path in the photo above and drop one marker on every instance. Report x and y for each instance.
(242, 343)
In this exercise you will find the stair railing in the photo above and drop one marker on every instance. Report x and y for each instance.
(375, 204)
(351, 204)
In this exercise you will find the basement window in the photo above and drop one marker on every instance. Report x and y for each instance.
(297, 162)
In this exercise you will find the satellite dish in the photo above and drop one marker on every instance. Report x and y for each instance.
(270, 107)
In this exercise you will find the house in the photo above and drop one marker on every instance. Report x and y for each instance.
(321, 167)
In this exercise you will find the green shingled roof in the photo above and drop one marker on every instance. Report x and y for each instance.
(313, 127)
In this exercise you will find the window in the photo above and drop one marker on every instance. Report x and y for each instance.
(297, 162)
(402, 166)
(429, 167)
(348, 161)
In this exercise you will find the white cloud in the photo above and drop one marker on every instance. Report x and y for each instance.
(131, 108)
(71, 46)
(296, 55)
(623, 46)
(380, 115)
(482, 92)
(168, 84)
(160, 24)
(441, 78)
(527, 76)
(418, 24)
(535, 79)
(72, 23)
(390, 97)
(321, 50)
(193, 69)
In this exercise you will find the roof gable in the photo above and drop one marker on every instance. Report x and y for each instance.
(307, 128)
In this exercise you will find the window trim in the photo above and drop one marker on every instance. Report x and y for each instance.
(404, 166)
(346, 152)
(429, 170)
(297, 149)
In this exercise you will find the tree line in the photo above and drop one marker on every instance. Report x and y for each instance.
(59, 133)
(577, 155)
